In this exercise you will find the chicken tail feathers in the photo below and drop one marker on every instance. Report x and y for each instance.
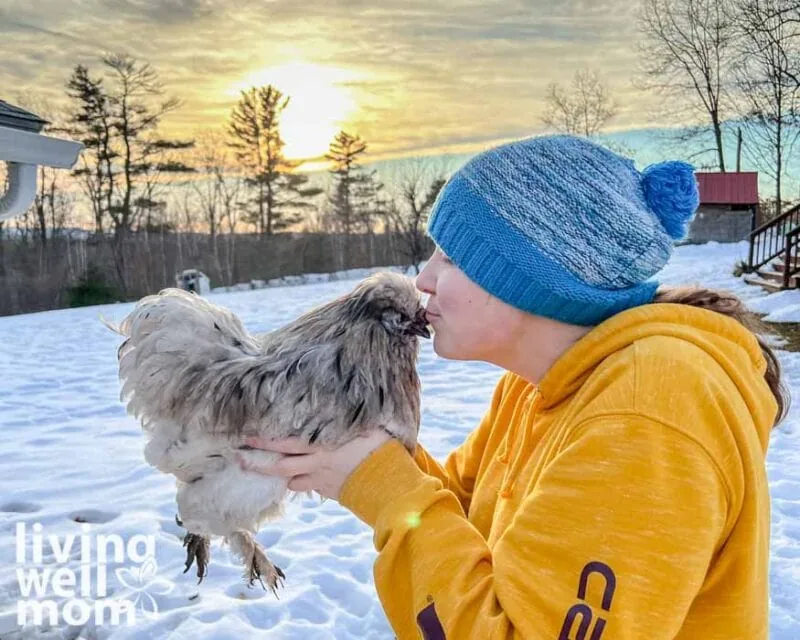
(178, 349)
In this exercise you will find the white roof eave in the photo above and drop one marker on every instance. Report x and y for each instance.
(26, 147)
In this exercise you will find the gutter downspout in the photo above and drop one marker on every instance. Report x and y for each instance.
(21, 189)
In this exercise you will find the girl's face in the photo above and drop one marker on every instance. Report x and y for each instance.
(468, 322)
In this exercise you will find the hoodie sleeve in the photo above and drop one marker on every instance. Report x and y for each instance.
(461, 467)
(615, 536)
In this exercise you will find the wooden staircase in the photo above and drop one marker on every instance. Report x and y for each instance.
(773, 261)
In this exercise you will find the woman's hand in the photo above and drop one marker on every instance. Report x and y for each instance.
(314, 468)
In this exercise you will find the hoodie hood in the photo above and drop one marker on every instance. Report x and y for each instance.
(734, 347)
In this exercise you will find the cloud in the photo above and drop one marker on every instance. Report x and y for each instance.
(10, 25)
(428, 74)
(162, 12)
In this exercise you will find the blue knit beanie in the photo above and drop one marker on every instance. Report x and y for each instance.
(561, 227)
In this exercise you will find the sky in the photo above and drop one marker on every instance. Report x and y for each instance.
(409, 76)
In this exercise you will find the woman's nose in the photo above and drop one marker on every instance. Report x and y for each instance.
(425, 280)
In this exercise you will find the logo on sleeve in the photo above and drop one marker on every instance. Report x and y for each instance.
(429, 624)
(580, 618)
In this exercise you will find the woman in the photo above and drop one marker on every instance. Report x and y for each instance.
(616, 487)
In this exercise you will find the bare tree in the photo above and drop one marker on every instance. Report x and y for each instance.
(51, 205)
(686, 55)
(416, 190)
(137, 157)
(218, 190)
(767, 74)
(211, 161)
(162, 164)
(137, 106)
(582, 108)
(25, 227)
(231, 190)
(45, 191)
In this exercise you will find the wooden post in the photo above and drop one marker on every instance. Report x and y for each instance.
(739, 150)
(786, 257)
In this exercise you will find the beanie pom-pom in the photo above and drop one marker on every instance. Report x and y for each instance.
(670, 190)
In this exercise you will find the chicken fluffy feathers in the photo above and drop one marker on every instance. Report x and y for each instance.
(201, 384)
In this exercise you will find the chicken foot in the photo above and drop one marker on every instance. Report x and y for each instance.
(257, 565)
(198, 549)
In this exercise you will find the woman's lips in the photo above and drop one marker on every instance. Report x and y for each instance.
(431, 316)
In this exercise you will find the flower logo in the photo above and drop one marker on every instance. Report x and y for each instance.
(142, 582)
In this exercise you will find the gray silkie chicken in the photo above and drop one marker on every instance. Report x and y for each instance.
(201, 384)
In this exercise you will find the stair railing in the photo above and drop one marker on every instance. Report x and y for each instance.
(770, 240)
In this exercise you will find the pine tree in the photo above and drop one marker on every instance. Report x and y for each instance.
(355, 191)
(280, 195)
(91, 123)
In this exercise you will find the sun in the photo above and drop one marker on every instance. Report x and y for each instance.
(319, 104)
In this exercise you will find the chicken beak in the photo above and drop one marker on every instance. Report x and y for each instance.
(423, 331)
(420, 325)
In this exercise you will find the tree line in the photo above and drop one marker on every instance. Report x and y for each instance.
(139, 185)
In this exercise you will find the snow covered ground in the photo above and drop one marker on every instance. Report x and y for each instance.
(72, 464)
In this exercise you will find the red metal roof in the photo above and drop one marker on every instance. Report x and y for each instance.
(728, 188)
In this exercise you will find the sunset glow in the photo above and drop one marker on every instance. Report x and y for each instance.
(408, 78)
(320, 104)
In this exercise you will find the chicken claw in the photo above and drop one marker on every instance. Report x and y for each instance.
(197, 549)
(262, 569)
(257, 565)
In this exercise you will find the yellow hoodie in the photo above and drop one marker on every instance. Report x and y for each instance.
(624, 497)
